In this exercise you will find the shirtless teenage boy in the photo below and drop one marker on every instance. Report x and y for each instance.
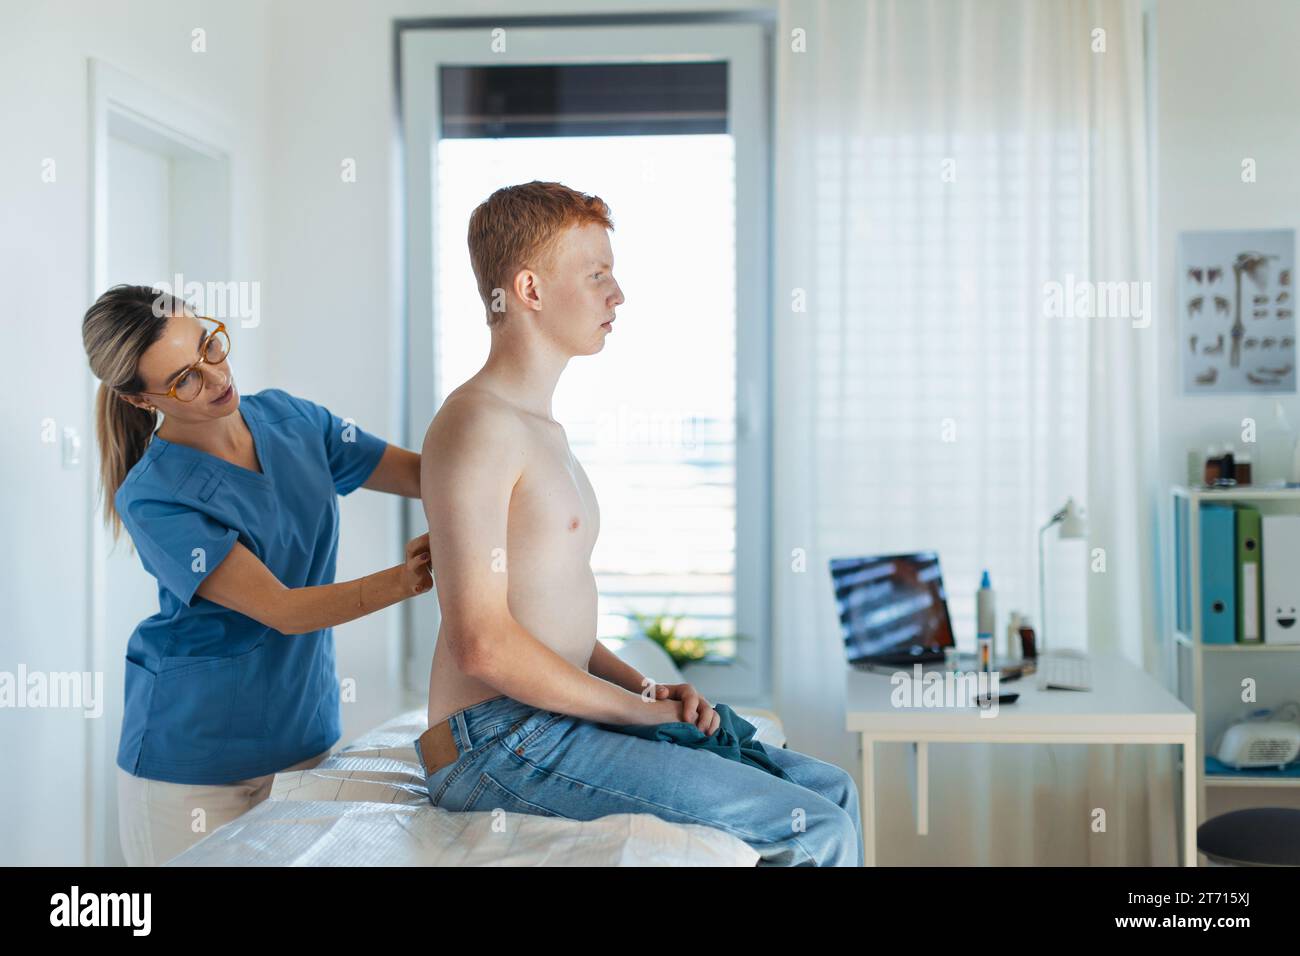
(519, 682)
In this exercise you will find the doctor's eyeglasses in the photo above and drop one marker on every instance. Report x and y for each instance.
(212, 351)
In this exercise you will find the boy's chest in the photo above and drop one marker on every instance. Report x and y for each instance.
(554, 501)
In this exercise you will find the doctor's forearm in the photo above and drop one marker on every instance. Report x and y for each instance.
(243, 583)
(303, 610)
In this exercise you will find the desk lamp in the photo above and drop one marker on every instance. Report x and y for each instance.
(1073, 525)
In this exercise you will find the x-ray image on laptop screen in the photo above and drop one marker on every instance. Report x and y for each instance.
(887, 605)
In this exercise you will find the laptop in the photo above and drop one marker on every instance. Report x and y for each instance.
(893, 609)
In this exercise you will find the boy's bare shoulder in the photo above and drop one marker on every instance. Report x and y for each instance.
(472, 416)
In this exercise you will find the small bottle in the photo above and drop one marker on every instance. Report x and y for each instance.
(1213, 465)
(1028, 641)
(985, 618)
(1011, 649)
(1241, 469)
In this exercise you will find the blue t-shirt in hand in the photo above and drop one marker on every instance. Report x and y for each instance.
(213, 696)
(734, 738)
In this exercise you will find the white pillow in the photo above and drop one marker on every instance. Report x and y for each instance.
(650, 659)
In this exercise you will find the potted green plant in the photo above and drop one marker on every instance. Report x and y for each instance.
(682, 648)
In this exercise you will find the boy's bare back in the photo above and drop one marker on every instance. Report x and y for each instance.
(513, 520)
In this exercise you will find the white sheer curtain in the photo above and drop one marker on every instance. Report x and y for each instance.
(939, 163)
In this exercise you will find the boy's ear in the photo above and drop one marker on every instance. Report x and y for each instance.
(526, 288)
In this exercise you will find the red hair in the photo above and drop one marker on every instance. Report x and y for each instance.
(517, 227)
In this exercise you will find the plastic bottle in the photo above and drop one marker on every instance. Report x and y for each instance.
(985, 617)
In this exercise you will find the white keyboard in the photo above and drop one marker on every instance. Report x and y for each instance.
(1064, 673)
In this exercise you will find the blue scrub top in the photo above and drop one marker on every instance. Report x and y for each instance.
(212, 696)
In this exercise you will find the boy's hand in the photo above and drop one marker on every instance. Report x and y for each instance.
(694, 708)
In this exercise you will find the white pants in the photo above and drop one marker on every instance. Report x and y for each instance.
(157, 820)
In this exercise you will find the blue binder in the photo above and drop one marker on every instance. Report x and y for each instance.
(1218, 574)
(1183, 567)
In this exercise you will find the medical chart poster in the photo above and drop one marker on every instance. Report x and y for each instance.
(1236, 311)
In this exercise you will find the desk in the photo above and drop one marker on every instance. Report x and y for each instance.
(1125, 706)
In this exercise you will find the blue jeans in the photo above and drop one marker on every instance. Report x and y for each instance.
(521, 759)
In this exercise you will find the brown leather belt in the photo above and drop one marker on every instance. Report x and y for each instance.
(437, 747)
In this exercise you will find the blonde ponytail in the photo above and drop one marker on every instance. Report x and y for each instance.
(123, 432)
(116, 331)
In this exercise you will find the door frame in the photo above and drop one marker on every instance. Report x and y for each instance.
(420, 46)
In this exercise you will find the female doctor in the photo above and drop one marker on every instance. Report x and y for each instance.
(232, 505)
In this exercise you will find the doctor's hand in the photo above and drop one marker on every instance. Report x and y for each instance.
(693, 708)
(416, 577)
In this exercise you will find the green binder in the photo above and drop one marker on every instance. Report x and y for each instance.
(1250, 547)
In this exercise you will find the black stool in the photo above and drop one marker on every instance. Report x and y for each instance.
(1260, 836)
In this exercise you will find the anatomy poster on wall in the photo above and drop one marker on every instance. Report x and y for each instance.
(1236, 311)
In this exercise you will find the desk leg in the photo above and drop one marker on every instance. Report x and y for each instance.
(1189, 802)
(867, 801)
(922, 788)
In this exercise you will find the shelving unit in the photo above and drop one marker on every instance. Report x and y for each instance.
(1195, 497)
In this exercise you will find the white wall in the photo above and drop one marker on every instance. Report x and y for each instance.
(44, 269)
(1227, 83)
(139, 211)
